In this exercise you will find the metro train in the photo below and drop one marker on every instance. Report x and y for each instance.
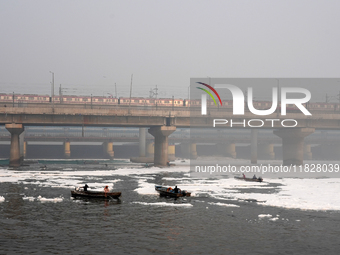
(26, 99)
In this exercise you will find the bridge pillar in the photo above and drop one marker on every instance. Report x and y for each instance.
(150, 149)
(25, 149)
(307, 151)
(108, 147)
(142, 142)
(227, 149)
(14, 157)
(292, 144)
(161, 135)
(171, 152)
(188, 150)
(67, 149)
(253, 146)
(22, 146)
(266, 151)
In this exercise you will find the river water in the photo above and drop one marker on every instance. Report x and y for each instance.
(38, 215)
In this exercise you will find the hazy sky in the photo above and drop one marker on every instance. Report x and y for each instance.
(91, 45)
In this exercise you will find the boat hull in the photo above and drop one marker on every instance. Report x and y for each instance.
(163, 191)
(95, 194)
(249, 179)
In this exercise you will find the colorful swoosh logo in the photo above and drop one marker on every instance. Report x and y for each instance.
(213, 90)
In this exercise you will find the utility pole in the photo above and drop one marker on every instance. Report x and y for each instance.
(60, 95)
(130, 90)
(52, 90)
(116, 89)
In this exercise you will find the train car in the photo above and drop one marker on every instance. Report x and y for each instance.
(141, 101)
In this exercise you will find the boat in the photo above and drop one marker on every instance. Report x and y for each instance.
(95, 194)
(249, 179)
(169, 192)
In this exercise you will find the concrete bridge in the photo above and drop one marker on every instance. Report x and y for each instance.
(163, 122)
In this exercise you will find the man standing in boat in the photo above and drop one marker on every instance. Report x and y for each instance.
(176, 190)
(85, 187)
(106, 190)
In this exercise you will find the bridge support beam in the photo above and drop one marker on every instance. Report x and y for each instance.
(253, 146)
(161, 135)
(67, 149)
(14, 158)
(292, 144)
(307, 151)
(266, 151)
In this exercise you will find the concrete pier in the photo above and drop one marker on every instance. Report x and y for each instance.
(161, 135)
(150, 149)
(266, 151)
(189, 150)
(307, 151)
(253, 146)
(22, 146)
(67, 149)
(15, 130)
(108, 147)
(25, 149)
(171, 152)
(142, 142)
(292, 144)
(227, 149)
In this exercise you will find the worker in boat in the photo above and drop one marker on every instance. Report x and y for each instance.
(168, 163)
(254, 177)
(85, 187)
(243, 175)
(106, 190)
(176, 189)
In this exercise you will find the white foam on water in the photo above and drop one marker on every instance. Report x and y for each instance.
(222, 204)
(274, 219)
(264, 215)
(54, 200)
(305, 194)
(164, 204)
(28, 198)
(146, 188)
(2, 199)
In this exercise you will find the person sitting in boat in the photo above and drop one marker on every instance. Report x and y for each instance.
(85, 187)
(254, 177)
(176, 189)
